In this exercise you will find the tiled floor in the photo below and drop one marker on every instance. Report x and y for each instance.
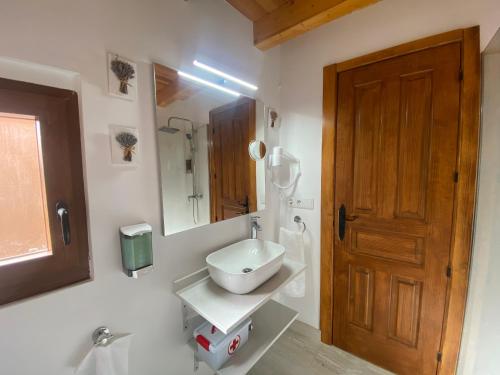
(300, 352)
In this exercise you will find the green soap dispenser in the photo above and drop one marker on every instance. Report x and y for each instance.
(137, 249)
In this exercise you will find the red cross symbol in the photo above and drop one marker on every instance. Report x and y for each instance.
(234, 345)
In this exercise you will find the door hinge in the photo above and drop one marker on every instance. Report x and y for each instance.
(455, 176)
(439, 356)
(461, 75)
(448, 271)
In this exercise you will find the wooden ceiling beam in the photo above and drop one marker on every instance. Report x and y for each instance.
(270, 5)
(169, 87)
(249, 8)
(297, 17)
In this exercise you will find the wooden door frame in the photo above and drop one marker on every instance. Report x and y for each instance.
(465, 196)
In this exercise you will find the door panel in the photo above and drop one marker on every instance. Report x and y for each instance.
(361, 297)
(404, 317)
(397, 130)
(366, 136)
(387, 245)
(413, 143)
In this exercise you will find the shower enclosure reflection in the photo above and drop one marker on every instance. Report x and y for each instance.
(207, 174)
(191, 134)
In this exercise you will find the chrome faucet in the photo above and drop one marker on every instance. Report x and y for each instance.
(254, 227)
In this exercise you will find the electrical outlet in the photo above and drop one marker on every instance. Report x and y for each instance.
(307, 204)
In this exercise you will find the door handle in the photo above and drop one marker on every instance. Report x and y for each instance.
(244, 202)
(343, 218)
(63, 215)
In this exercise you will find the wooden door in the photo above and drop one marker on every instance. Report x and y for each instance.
(232, 173)
(396, 151)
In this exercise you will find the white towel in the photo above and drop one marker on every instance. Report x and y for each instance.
(293, 242)
(107, 360)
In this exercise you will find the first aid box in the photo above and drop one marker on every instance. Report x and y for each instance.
(216, 348)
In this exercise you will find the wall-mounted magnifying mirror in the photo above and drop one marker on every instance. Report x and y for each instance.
(207, 172)
(257, 150)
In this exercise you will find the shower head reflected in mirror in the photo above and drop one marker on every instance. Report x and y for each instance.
(169, 130)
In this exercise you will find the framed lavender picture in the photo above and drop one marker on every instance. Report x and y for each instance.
(124, 143)
(122, 77)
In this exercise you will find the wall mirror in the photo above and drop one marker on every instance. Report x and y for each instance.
(211, 150)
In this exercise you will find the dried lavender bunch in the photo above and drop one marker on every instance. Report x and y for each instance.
(127, 142)
(124, 72)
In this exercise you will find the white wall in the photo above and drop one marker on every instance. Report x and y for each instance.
(388, 23)
(481, 338)
(48, 334)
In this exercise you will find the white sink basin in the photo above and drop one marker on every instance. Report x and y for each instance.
(243, 266)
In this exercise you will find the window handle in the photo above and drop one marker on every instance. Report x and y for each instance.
(63, 214)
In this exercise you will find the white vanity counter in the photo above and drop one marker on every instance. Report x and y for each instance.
(225, 310)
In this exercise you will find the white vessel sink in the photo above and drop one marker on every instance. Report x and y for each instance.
(243, 266)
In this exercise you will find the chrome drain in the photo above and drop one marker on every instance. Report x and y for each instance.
(247, 270)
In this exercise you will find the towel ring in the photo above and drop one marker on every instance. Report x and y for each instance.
(298, 220)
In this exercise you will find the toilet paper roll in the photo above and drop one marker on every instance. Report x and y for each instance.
(111, 359)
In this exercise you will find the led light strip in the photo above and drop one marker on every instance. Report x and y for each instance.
(224, 75)
(208, 83)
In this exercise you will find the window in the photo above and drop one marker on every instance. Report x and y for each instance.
(24, 232)
(43, 231)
